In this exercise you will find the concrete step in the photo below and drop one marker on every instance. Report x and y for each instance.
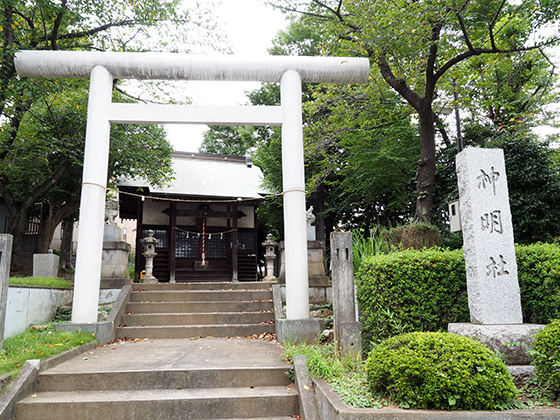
(198, 307)
(205, 286)
(200, 295)
(191, 331)
(169, 404)
(53, 381)
(207, 318)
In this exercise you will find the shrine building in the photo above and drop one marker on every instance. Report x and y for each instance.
(205, 221)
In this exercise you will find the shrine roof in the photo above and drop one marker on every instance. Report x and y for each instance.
(205, 175)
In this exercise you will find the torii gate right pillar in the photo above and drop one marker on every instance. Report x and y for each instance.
(293, 180)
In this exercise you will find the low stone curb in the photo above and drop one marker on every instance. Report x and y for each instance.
(103, 330)
(26, 383)
(331, 407)
(304, 384)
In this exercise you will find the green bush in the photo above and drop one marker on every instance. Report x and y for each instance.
(415, 235)
(546, 355)
(440, 371)
(425, 290)
(539, 281)
(411, 291)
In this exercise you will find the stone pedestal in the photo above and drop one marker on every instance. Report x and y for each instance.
(315, 264)
(511, 341)
(45, 265)
(114, 264)
(112, 233)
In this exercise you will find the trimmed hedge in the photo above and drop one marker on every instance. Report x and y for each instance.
(425, 290)
(546, 355)
(440, 371)
(411, 291)
(539, 281)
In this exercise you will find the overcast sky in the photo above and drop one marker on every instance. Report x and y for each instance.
(250, 26)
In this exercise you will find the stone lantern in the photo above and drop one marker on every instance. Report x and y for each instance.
(149, 253)
(269, 256)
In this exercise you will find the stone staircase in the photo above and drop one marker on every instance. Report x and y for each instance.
(103, 388)
(187, 310)
(168, 373)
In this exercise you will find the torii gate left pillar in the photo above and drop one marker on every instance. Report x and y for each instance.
(102, 68)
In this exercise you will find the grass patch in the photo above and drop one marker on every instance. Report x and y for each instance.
(41, 282)
(39, 342)
(346, 375)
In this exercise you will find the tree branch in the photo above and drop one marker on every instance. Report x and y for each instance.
(49, 183)
(493, 24)
(56, 26)
(479, 51)
(398, 84)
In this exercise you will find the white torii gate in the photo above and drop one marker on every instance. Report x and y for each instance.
(103, 67)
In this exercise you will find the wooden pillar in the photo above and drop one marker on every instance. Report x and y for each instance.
(234, 253)
(172, 241)
(138, 263)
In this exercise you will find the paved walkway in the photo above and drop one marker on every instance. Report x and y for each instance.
(171, 354)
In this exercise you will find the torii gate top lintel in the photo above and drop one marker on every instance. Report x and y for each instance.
(173, 66)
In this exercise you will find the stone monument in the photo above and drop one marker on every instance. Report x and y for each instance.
(347, 328)
(46, 265)
(5, 261)
(319, 283)
(114, 259)
(488, 245)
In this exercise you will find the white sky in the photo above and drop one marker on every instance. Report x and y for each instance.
(250, 26)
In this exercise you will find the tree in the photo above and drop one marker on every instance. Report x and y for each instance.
(64, 25)
(416, 45)
(225, 140)
(533, 175)
(51, 136)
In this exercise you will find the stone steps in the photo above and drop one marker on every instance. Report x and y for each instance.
(188, 310)
(52, 381)
(197, 307)
(249, 295)
(167, 380)
(192, 331)
(169, 404)
(204, 318)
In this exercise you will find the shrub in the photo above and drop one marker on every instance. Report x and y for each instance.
(546, 355)
(425, 290)
(416, 236)
(440, 371)
(539, 281)
(411, 291)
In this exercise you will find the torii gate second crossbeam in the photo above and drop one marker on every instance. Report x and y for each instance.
(103, 67)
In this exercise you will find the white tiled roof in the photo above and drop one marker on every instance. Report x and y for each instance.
(211, 176)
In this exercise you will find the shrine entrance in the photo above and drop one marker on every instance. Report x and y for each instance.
(103, 67)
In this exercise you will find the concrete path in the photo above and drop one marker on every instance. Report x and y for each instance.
(171, 354)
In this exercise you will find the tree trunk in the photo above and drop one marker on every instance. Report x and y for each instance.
(425, 176)
(319, 206)
(66, 247)
(17, 225)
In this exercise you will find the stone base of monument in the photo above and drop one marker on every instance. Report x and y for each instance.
(510, 341)
(298, 330)
(319, 283)
(114, 264)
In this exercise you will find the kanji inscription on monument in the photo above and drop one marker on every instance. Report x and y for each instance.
(488, 243)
